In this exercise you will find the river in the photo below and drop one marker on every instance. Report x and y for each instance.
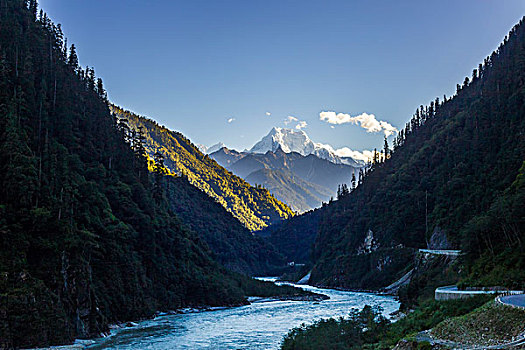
(261, 325)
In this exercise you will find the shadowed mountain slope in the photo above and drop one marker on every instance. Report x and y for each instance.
(87, 235)
(451, 163)
(233, 245)
(454, 171)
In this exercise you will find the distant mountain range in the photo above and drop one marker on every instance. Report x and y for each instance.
(302, 181)
(291, 140)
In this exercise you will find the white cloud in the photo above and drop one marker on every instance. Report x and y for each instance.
(290, 119)
(301, 125)
(231, 119)
(388, 128)
(268, 114)
(333, 118)
(365, 120)
(365, 156)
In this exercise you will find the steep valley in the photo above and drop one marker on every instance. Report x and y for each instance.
(117, 228)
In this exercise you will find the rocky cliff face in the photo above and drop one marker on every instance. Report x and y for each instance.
(439, 240)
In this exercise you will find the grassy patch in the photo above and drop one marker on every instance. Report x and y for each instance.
(431, 313)
(490, 324)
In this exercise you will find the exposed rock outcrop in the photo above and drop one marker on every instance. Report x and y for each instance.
(438, 240)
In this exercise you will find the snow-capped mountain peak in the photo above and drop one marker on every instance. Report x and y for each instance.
(292, 140)
(211, 149)
(289, 140)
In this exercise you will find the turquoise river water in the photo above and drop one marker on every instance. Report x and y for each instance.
(261, 325)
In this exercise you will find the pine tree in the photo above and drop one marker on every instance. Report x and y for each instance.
(123, 128)
(73, 58)
(100, 89)
(19, 163)
(466, 82)
(33, 8)
(159, 169)
(140, 149)
(480, 70)
(386, 150)
(344, 190)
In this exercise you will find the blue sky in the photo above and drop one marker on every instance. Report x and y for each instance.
(195, 65)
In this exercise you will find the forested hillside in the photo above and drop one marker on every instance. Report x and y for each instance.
(294, 238)
(451, 171)
(87, 235)
(233, 245)
(254, 207)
